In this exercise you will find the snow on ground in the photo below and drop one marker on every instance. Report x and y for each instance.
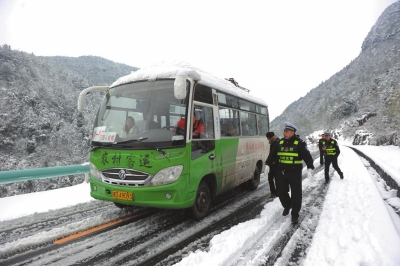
(23, 205)
(355, 227)
(387, 157)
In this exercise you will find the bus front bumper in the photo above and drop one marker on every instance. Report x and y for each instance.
(176, 195)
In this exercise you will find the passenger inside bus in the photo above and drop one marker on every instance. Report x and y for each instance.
(130, 128)
(180, 127)
(245, 129)
(230, 130)
(150, 119)
(198, 127)
(148, 122)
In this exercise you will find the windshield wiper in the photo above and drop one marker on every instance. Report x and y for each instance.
(131, 140)
(155, 148)
(109, 144)
(95, 147)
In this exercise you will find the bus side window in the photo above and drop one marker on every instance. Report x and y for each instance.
(249, 124)
(203, 140)
(262, 125)
(252, 125)
(204, 123)
(229, 122)
(203, 94)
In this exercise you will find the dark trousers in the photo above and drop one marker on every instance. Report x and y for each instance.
(328, 161)
(271, 181)
(321, 157)
(283, 181)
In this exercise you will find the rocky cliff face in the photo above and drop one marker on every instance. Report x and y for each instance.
(363, 99)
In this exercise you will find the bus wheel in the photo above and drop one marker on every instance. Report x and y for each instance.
(119, 205)
(202, 202)
(255, 181)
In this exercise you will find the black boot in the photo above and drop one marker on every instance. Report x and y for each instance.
(286, 211)
(295, 220)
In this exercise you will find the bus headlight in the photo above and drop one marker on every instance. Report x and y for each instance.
(94, 172)
(167, 175)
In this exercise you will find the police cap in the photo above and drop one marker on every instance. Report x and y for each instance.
(290, 126)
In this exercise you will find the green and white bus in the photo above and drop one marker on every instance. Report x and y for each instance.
(161, 163)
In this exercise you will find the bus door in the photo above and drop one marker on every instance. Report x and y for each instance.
(203, 139)
(202, 133)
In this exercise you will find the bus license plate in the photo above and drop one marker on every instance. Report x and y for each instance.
(122, 195)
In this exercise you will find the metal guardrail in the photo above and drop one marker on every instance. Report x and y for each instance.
(41, 173)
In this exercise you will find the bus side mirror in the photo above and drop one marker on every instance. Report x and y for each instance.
(82, 95)
(81, 101)
(180, 87)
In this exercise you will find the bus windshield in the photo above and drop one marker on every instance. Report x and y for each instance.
(141, 111)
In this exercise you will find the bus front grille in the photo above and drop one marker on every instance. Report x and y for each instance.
(125, 177)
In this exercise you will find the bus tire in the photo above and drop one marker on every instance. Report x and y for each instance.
(202, 203)
(255, 181)
(119, 205)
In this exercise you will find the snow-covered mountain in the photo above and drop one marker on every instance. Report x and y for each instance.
(39, 122)
(363, 99)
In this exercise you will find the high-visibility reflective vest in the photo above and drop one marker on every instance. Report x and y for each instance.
(330, 147)
(288, 154)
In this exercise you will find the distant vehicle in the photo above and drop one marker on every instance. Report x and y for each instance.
(168, 166)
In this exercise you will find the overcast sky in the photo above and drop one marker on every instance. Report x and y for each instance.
(280, 50)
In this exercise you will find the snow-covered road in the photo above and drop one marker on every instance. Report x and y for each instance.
(348, 222)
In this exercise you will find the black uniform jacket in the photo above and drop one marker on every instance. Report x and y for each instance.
(273, 149)
(304, 154)
(320, 144)
(332, 143)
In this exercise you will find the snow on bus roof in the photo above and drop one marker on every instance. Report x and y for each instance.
(178, 68)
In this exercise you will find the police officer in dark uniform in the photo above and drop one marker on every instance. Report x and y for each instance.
(321, 152)
(291, 152)
(272, 166)
(331, 152)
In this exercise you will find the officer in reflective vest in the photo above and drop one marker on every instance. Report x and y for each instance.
(290, 154)
(321, 152)
(331, 153)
